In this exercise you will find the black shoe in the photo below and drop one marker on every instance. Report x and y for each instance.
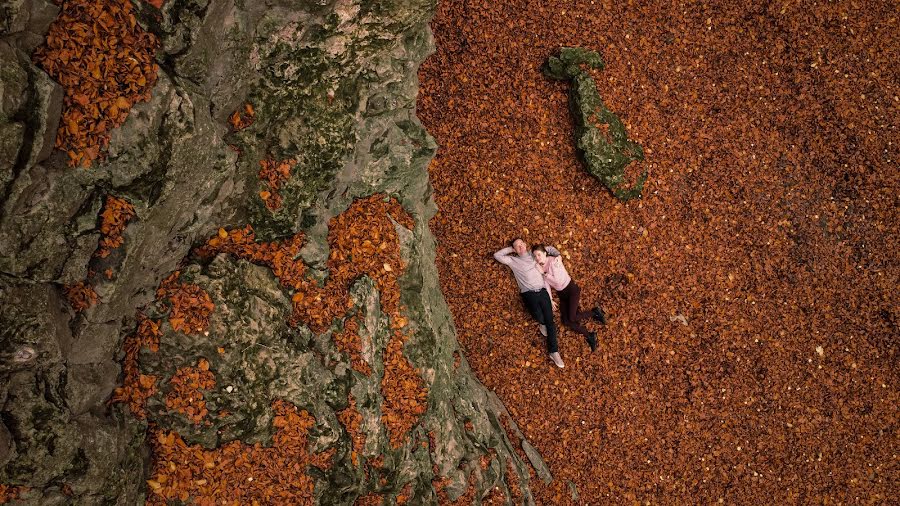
(592, 340)
(598, 315)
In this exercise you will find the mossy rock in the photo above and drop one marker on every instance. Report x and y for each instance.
(599, 133)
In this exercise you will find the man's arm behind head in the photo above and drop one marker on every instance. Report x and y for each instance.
(502, 255)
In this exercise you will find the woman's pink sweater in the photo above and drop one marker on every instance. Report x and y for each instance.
(555, 273)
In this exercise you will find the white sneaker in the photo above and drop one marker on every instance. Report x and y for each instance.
(557, 360)
(543, 330)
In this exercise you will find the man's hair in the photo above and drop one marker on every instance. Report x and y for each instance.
(539, 247)
(512, 243)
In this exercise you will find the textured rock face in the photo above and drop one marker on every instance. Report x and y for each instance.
(333, 86)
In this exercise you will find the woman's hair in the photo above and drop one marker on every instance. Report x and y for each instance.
(539, 247)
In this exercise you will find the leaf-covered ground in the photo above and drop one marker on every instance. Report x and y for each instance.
(104, 61)
(752, 347)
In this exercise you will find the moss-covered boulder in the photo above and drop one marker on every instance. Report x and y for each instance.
(599, 134)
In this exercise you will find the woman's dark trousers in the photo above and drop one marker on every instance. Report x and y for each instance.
(568, 309)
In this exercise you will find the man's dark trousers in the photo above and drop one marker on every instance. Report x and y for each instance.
(540, 308)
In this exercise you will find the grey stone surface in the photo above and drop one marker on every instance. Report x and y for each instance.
(42, 112)
(12, 135)
(18, 17)
(13, 82)
(334, 86)
(30, 102)
(40, 206)
(210, 44)
(32, 330)
(13, 86)
(14, 15)
(89, 385)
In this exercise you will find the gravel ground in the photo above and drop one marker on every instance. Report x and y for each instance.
(752, 348)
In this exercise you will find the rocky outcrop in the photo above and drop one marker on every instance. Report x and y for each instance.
(333, 87)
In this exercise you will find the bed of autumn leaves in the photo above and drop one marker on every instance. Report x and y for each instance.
(186, 396)
(752, 345)
(105, 63)
(237, 473)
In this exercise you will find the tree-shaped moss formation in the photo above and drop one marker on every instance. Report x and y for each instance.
(600, 134)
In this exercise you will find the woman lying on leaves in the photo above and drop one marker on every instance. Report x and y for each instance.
(569, 292)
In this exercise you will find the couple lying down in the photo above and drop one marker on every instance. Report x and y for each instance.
(537, 271)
